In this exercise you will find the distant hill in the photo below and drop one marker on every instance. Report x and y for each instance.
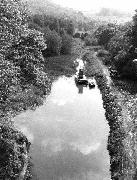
(47, 7)
(112, 12)
(90, 22)
(50, 8)
(111, 15)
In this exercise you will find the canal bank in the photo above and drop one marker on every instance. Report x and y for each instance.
(121, 144)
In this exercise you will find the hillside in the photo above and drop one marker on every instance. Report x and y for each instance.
(110, 15)
(49, 8)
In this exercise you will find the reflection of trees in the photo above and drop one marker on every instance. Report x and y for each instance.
(80, 89)
(69, 164)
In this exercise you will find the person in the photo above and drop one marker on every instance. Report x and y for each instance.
(80, 74)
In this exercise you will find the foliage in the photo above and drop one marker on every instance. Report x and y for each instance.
(90, 41)
(57, 31)
(77, 35)
(27, 55)
(13, 146)
(20, 48)
(121, 40)
(121, 59)
(67, 42)
(118, 40)
(54, 23)
(53, 41)
(8, 77)
(70, 28)
(104, 33)
(134, 30)
(12, 23)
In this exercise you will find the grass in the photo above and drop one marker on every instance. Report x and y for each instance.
(61, 65)
(64, 64)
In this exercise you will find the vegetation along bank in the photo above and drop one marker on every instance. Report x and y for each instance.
(39, 46)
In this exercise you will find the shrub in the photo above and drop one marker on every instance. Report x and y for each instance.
(77, 35)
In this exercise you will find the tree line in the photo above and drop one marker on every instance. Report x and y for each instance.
(120, 41)
(58, 33)
(26, 40)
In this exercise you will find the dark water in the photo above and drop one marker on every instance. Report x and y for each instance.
(68, 134)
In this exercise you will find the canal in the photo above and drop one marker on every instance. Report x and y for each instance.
(69, 134)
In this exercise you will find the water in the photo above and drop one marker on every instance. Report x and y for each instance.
(68, 134)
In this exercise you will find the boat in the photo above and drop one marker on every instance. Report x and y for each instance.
(80, 74)
(91, 85)
(82, 81)
(80, 78)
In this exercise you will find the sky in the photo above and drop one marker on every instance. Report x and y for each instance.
(96, 5)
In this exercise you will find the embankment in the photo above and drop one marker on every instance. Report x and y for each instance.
(122, 166)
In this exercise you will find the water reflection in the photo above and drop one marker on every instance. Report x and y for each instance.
(80, 89)
(69, 134)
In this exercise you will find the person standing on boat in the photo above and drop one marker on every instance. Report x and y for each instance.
(80, 74)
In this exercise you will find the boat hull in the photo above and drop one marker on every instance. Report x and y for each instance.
(81, 81)
(91, 85)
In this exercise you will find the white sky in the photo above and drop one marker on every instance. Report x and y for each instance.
(87, 5)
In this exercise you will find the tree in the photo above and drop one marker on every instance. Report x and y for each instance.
(66, 44)
(54, 42)
(20, 47)
(9, 77)
(77, 35)
(120, 41)
(105, 33)
(70, 28)
(38, 19)
(134, 30)
(13, 19)
(27, 55)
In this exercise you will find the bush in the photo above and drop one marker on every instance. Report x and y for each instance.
(90, 41)
(77, 35)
